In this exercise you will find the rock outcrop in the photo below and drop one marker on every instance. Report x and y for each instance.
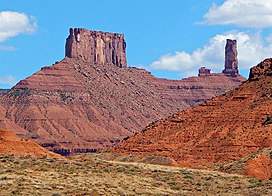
(81, 104)
(203, 71)
(262, 70)
(221, 130)
(231, 61)
(96, 47)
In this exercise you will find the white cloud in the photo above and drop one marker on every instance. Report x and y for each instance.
(14, 23)
(243, 13)
(252, 48)
(10, 80)
(7, 48)
(141, 66)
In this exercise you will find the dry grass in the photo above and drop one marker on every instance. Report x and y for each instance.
(105, 174)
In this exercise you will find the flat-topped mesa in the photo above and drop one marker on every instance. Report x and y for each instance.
(96, 47)
(231, 61)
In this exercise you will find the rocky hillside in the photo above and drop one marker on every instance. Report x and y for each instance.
(221, 130)
(91, 99)
(257, 165)
(11, 144)
(7, 124)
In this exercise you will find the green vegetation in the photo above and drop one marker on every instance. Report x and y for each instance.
(268, 121)
(19, 92)
(64, 96)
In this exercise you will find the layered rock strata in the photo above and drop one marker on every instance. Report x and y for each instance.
(96, 47)
(221, 130)
(11, 144)
(82, 103)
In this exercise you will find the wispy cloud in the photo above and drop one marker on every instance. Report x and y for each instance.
(252, 48)
(15, 23)
(9, 80)
(242, 13)
(7, 48)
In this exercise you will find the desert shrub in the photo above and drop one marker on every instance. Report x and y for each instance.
(174, 185)
(268, 120)
(188, 176)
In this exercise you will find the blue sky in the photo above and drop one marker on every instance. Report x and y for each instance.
(170, 38)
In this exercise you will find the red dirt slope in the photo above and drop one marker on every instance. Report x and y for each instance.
(12, 144)
(77, 105)
(220, 130)
(260, 166)
(7, 124)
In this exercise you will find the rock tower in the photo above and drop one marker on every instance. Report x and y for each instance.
(96, 47)
(231, 61)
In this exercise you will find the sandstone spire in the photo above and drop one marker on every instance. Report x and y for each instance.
(96, 47)
(231, 61)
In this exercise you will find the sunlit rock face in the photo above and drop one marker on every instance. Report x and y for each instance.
(231, 61)
(96, 47)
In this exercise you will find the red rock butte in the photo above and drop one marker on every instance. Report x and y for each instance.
(96, 47)
(91, 99)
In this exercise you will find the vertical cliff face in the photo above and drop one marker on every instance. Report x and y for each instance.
(231, 61)
(96, 47)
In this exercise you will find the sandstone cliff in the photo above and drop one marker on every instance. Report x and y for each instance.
(96, 47)
(218, 131)
(91, 100)
(231, 60)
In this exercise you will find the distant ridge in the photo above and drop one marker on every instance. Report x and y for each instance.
(3, 91)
